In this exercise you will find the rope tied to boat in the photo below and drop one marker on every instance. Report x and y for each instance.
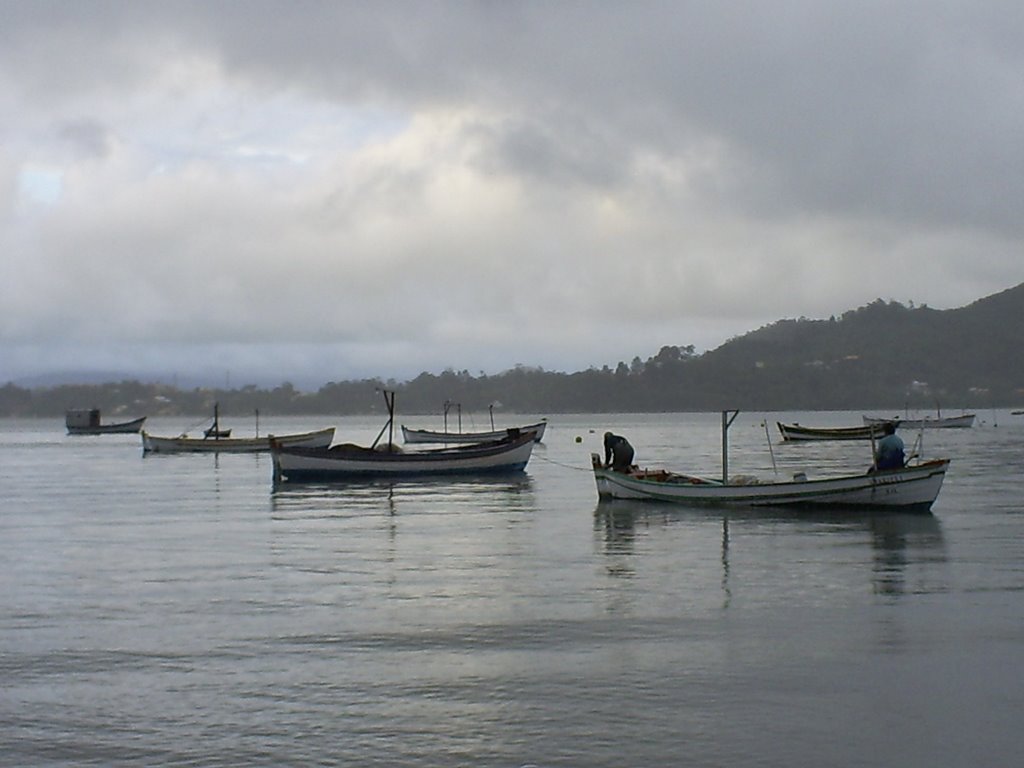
(561, 464)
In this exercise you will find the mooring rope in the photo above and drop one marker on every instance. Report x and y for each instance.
(560, 464)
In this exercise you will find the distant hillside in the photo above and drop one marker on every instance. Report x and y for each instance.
(880, 355)
(880, 352)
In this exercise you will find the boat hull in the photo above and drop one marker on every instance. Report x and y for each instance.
(908, 489)
(153, 444)
(425, 436)
(797, 433)
(343, 462)
(122, 428)
(945, 422)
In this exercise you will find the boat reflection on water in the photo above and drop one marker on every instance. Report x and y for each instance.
(620, 517)
(439, 495)
(897, 540)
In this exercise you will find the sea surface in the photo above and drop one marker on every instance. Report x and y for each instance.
(178, 610)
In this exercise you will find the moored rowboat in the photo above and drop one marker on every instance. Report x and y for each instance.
(939, 422)
(88, 422)
(797, 432)
(320, 438)
(347, 461)
(910, 488)
(423, 436)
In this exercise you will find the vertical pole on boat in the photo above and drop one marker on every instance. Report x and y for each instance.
(725, 448)
(447, 407)
(490, 409)
(771, 450)
(389, 401)
(216, 421)
(458, 407)
(257, 422)
(391, 420)
(727, 421)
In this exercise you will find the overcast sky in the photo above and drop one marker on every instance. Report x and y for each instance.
(316, 191)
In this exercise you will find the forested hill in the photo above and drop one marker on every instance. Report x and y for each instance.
(883, 354)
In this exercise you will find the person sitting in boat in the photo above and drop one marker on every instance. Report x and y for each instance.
(889, 451)
(618, 453)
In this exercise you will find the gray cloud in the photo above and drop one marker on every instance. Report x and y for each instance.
(412, 186)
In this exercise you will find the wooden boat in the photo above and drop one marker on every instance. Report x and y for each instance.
(422, 436)
(796, 432)
(347, 461)
(913, 488)
(320, 438)
(452, 437)
(87, 421)
(963, 421)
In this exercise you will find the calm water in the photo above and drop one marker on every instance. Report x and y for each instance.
(176, 610)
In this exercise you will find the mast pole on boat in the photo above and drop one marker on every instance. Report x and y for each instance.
(771, 450)
(727, 421)
(389, 401)
(391, 420)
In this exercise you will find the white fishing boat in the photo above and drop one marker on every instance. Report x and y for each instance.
(911, 488)
(424, 436)
(218, 440)
(320, 438)
(456, 435)
(963, 421)
(798, 432)
(342, 462)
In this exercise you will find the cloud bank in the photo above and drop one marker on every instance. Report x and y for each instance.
(337, 190)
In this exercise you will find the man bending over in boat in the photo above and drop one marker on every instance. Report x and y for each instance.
(889, 451)
(617, 452)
